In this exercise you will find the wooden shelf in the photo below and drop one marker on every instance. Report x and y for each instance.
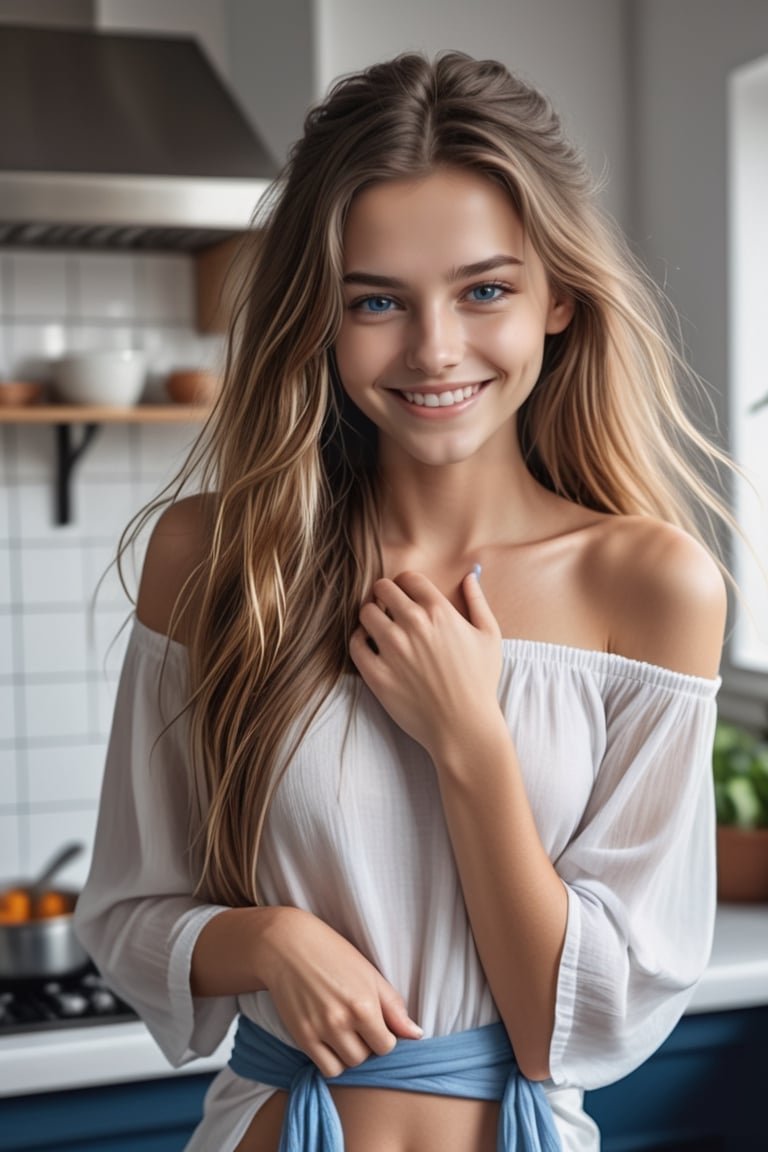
(102, 414)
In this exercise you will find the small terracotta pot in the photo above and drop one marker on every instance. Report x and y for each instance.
(742, 864)
(192, 387)
(18, 393)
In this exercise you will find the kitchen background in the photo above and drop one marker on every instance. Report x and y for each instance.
(643, 85)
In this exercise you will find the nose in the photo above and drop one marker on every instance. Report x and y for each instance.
(435, 340)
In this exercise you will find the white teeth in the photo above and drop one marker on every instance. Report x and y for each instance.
(441, 399)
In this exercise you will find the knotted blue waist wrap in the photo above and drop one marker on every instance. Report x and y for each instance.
(478, 1064)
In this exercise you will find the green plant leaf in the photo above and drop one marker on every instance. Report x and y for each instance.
(743, 795)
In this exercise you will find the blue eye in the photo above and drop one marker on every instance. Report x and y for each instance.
(483, 292)
(376, 304)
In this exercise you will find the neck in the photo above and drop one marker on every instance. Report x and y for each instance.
(448, 513)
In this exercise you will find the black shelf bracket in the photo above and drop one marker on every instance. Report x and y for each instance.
(67, 455)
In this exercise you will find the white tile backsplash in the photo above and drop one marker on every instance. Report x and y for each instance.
(49, 831)
(6, 645)
(10, 863)
(34, 446)
(65, 775)
(7, 714)
(109, 455)
(5, 570)
(8, 778)
(56, 710)
(161, 451)
(35, 506)
(52, 575)
(100, 337)
(33, 347)
(106, 506)
(57, 687)
(106, 287)
(38, 285)
(165, 289)
(55, 643)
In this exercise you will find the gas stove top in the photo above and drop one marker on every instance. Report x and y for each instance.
(77, 1000)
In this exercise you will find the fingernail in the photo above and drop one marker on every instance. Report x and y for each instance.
(476, 570)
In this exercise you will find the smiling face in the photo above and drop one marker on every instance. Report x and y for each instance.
(446, 311)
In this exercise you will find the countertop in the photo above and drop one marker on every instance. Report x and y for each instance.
(736, 977)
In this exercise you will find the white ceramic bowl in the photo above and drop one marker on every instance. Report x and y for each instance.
(113, 378)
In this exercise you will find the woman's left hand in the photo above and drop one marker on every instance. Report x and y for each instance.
(434, 672)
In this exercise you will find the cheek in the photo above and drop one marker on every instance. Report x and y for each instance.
(350, 349)
(517, 345)
(362, 354)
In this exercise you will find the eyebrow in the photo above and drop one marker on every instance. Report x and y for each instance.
(463, 272)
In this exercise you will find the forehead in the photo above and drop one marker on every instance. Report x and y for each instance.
(450, 217)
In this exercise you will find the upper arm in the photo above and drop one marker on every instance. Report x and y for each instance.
(177, 547)
(668, 599)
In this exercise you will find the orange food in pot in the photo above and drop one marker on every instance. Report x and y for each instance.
(51, 904)
(15, 906)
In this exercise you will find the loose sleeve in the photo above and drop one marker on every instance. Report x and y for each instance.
(640, 877)
(136, 916)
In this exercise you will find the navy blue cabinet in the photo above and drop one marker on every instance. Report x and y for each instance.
(147, 1116)
(705, 1090)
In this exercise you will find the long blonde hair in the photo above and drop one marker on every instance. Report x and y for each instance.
(292, 467)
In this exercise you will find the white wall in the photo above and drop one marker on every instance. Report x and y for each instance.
(576, 50)
(272, 66)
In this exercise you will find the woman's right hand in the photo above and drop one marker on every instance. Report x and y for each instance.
(336, 1005)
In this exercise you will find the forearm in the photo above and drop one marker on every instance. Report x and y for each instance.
(231, 952)
(516, 902)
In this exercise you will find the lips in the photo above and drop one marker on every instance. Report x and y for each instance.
(444, 399)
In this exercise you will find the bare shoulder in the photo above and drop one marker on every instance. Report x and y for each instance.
(179, 543)
(664, 594)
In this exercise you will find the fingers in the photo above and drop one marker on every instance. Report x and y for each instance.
(326, 1060)
(479, 609)
(348, 1040)
(395, 1014)
(400, 601)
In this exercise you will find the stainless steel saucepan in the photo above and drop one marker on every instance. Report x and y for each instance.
(37, 935)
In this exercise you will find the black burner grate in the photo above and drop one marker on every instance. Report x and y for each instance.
(72, 1001)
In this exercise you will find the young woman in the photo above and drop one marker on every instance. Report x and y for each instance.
(410, 763)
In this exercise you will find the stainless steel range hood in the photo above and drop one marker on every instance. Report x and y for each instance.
(121, 141)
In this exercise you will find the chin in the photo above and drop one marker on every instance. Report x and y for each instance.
(443, 456)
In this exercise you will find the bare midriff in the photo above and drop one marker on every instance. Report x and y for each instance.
(390, 1121)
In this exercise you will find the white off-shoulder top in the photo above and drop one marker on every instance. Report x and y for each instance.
(616, 757)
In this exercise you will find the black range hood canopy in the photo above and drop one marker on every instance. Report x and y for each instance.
(116, 140)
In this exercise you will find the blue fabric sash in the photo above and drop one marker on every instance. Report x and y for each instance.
(478, 1064)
